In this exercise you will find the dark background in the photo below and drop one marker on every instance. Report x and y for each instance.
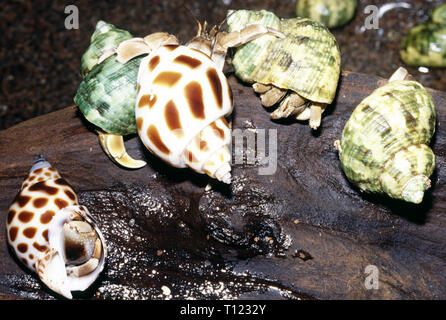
(40, 59)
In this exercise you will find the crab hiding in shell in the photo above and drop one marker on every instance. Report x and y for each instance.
(52, 234)
(332, 13)
(425, 45)
(299, 72)
(107, 94)
(384, 145)
(183, 96)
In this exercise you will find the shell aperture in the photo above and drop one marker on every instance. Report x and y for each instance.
(52, 234)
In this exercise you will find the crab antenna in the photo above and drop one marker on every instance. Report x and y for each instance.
(193, 17)
(218, 26)
(217, 30)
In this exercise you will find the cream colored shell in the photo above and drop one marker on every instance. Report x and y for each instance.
(35, 222)
(180, 110)
(44, 192)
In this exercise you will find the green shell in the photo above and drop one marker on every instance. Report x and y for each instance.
(439, 15)
(384, 145)
(332, 13)
(107, 94)
(306, 61)
(425, 44)
(106, 36)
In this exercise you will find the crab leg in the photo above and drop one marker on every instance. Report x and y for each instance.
(304, 115)
(113, 146)
(134, 47)
(272, 96)
(249, 33)
(261, 88)
(238, 38)
(291, 105)
(316, 110)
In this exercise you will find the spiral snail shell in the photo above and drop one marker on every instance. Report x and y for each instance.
(181, 109)
(105, 37)
(384, 145)
(299, 72)
(425, 44)
(106, 96)
(332, 13)
(52, 234)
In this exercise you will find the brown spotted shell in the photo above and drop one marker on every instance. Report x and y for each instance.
(52, 234)
(180, 111)
(43, 193)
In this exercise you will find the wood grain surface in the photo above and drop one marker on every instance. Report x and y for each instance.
(302, 232)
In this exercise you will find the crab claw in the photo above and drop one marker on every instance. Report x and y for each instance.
(76, 255)
(114, 147)
(131, 48)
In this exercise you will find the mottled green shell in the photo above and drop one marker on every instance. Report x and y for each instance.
(425, 44)
(332, 13)
(106, 36)
(385, 142)
(439, 15)
(107, 96)
(306, 61)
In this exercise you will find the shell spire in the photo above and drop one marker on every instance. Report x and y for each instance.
(384, 145)
(52, 235)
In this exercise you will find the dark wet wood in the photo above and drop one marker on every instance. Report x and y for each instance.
(164, 229)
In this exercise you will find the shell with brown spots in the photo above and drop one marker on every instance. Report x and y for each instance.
(182, 96)
(43, 194)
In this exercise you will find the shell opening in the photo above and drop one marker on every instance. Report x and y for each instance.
(79, 242)
(80, 250)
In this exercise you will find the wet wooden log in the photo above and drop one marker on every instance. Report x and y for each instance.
(302, 232)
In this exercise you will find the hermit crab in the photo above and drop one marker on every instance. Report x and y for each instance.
(425, 45)
(300, 72)
(384, 145)
(52, 234)
(107, 94)
(183, 96)
(332, 13)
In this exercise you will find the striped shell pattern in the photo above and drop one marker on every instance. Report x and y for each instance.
(307, 61)
(332, 13)
(425, 44)
(37, 232)
(106, 96)
(384, 146)
(180, 110)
